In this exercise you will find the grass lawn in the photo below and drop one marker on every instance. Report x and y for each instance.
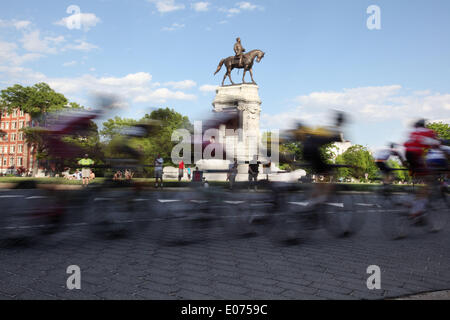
(368, 187)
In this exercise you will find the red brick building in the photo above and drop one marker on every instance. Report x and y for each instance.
(15, 152)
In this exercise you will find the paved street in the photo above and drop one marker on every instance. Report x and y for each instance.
(217, 264)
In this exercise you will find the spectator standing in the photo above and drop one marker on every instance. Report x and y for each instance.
(180, 170)
(159, 171)
(233, 170)
(85, 163)
(253, 171)
(189, 173)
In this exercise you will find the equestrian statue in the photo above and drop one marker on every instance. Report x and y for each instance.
(240, 60)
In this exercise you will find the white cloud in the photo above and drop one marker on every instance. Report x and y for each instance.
(208, 88)
(86, 21)
(69, 63)
(136, 87)
(164, 6)
(55, 40)
(181, 85)
(248, 6)
(173, 27)
(162, 95)
(130, 80)
(80, 45)
(240, 7)
(18, 24)
(9, 56)
(366, 105)
(10, 75)
(32, 42)
(200, 6)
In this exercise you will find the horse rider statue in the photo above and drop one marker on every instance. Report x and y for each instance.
(239, 50)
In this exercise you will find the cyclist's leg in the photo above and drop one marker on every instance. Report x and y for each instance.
(422, 195)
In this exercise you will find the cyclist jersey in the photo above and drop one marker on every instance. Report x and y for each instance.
(420, 140)
(383, 155)
(319, 135)
(436, 158)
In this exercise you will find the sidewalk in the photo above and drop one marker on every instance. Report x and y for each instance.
(436, 295)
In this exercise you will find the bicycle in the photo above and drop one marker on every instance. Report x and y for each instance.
(396, 220)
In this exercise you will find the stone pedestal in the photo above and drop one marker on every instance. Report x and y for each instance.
(244, 99)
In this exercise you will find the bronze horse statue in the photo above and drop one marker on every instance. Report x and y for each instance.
(247, 64)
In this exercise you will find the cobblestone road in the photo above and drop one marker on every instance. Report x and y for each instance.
(221, 266)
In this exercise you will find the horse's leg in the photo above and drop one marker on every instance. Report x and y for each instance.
(229, 75)
(251, 74)
(226, 73)
(243, 77)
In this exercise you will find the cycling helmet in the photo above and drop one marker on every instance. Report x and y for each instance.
(340, 118)
(420, 124)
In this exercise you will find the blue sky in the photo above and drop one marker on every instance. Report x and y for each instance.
(320, 55)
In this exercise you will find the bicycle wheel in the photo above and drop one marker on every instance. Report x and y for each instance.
(437, 211)
(295, 221)
(339, 216)
(111, 214)
(395, 223)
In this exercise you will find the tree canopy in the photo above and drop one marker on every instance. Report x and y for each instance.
(35, 100)
(442, 129)
(39, 101)
(361, 160)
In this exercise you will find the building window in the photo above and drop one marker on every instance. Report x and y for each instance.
(20, 136)
(14, 125)
(21, 113)
(5, 162)
(20, 148)
(5, 137)
(20, 124)
(11, 161)
(6, 125)
(12, 149)
(13, 137)
(15, 113)
(19, 161)
(3, 125)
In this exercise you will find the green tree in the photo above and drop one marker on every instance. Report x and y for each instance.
(40, 101)
(400, 175)
(36, 100)
(113, 127)
(361, 160)
(160, 143)
(442, 129)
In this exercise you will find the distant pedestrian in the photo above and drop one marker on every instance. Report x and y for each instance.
(232, 173)
(253, 171)
(189, 173)
(159, 171)
(180, 170)
(85, 170)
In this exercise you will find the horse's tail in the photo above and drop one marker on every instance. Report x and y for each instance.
(220, 66)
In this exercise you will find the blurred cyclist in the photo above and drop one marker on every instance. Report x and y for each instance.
(420, 140)
(313, 140)
(381, 160)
